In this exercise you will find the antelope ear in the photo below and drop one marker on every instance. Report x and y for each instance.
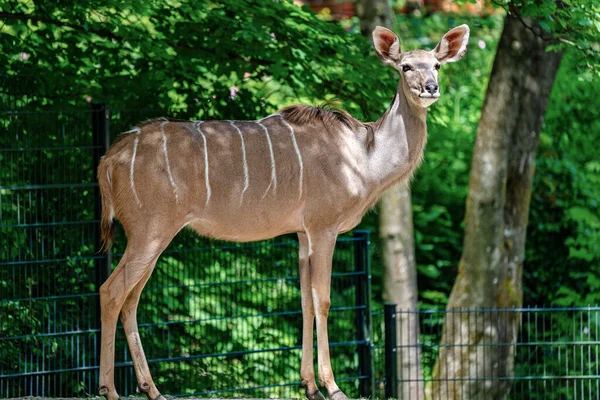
(387, 45)
(453, 45)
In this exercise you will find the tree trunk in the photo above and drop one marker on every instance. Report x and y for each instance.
(400, 285)
(500, 183)
(372, 13)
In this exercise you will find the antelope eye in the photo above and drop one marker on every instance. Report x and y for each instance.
(406, 68)
(438, 66)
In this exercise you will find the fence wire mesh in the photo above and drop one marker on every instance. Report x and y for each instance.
(219, 320)
(216, 319)
(553, 354)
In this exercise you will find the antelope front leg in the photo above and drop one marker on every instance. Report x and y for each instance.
(322, 245)
(307, 368)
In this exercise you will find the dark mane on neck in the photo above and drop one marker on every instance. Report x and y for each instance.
(329, 115)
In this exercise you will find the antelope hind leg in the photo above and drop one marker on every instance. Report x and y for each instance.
(123, 287)
(112, 296)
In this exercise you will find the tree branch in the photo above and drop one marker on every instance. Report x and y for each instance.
(556, 38)
(515, 12)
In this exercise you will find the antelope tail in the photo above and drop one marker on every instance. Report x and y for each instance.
(107, 224)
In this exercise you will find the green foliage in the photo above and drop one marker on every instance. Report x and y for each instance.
(205, 59)
(564, 229)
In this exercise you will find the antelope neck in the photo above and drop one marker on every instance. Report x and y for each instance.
(400, 137)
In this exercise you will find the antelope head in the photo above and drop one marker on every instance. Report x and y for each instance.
(419, 68)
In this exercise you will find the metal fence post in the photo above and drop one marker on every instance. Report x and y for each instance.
(363, 314)
(391, 361)
(100, 141)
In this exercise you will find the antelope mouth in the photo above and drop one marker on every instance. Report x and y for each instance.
(427, 95)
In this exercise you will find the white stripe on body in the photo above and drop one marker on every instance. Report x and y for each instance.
(273, 171)
(171, 180)
(267, 117)
(135, 144)
(246, 177)
(297, 152)
(135, 129)
(197, 125)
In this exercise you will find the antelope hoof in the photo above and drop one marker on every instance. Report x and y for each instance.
(144, 387)
(338, 395)
(104, 391)
(316, 395)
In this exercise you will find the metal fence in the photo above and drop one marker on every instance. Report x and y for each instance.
(215, 318)
(555, 354)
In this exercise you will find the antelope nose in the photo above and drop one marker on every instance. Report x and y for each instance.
(431, 88)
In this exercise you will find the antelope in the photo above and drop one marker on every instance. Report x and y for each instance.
(314, 171)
